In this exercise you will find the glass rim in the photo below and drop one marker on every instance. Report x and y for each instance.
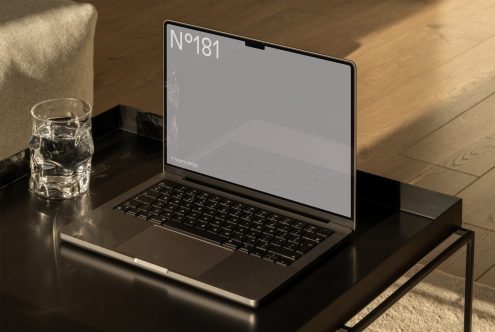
(86, 109)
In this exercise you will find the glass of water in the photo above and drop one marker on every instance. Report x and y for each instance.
(61, 148)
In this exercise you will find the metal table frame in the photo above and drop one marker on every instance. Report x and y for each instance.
(466, 237)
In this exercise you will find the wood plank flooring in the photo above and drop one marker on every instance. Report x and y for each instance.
(426, 82)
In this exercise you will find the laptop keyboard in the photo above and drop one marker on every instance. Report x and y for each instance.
(226, 222)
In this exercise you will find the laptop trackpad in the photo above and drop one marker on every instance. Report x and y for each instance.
(175, 252)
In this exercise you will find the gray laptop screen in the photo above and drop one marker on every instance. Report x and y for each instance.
(262, 117)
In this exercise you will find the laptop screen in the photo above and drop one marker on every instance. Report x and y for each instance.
(260, 116)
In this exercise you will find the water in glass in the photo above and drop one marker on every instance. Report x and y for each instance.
(61, 149)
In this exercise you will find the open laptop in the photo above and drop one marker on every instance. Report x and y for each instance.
(258, 173)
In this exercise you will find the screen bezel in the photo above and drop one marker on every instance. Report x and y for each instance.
(293, 206)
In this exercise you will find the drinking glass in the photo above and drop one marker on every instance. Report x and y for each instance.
(61, 148)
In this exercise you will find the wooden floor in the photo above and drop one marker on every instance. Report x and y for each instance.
(426, 82)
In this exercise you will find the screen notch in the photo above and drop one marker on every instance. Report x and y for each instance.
(254, 44)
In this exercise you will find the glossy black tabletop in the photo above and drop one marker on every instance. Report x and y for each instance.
(47, 285)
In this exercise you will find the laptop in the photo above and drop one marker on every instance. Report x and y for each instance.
(258, 176)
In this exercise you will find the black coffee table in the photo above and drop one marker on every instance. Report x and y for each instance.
(46, 285)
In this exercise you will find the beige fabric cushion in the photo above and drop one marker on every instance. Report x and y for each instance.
(46, 51)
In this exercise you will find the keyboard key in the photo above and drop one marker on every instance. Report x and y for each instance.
(241, 230)
(213, 229)
(159, 219)
(133, 203)
(244, 223)
(132, 211)
(311, 228)
(265, 238)
(216, 222)
(167, 214)
(286, 221)
(170, 207)
(211, 205)
(228, 227)
(258, 228)
(246, 248)
(305, 247)
(186, 205)
(181, 188)
(178, 217)
(259, 221)
(274, 216)
(262, 213)
(282, 235)
(285, 253)
(238, 237)
(163, 198)
(215, 199)
(271, 257)
(200, 201)
(196, 232)
(209, 212)
(187, 199)
(198, 209)
(166, 190)
(144, 215)
(238, 206)
(247, 216)
(313, 237)
(144, 207)
(277, 242)
(151, 193)
(270, 231)
(232, 244)
(175, 201)
(205, 218)
(232, 220)
(193, 215)
(145, 199)
(192, 192)
(283, 228)
(177, 195)
(121, 208)
(156, 210)
(283, 261)
(271, 223)
(227, 202)
(160, 204)
(222, 209)
(192, 222)
(253, 234)
(256, 253)
(298, 224)
(220, 216)
(157, 187)
(181, 210)
(225, 233)
(292, 238)
(249, 209)
(234, 213)
(201, 225)
(290, 246)
(251, 241)
(296, 231)
(263, 246)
